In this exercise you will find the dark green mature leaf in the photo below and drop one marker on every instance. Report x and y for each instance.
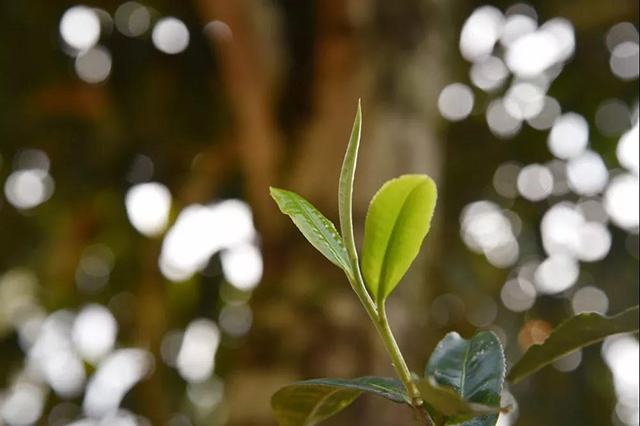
(318, 230)
(310, 402)
(473, 368)
(345, 187)
(398, 220)
(577, 332)
(448, 403)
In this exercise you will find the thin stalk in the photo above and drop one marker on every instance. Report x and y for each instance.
(379, 317)
(377, 314)
(396, 356)
(361, 291)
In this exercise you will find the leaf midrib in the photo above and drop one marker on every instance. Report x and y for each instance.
(388, 390)
(322, 401)
(384, 390)
(392, 237)
(463, 377)
(321, 227)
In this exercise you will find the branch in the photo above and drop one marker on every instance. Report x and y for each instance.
(246, 81)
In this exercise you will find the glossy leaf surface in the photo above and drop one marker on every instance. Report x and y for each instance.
(473, 368)
(448, 403)
(318, 230)
(577, 332)
(398, 220)
(310, 402)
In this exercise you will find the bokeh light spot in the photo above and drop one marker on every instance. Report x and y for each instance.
(624, 60)
(533, 332)
(501, 123)
(219, 30)
(235, 320)
(535, 182)
(195, 361)
(587, 174)
(480, 33)
(488, 74)
(627, 151)
(455, 102)
(524, 101)
(94, 332)
(115, 375)
(518, 295)
(199, 232)
(23, 405)
(613, 117)
(242, 266)
(132, 19)
(620, 33)
(590, 299)
(569, 136)
(170, 35)
(595, 242)
(517, 26)
(486, 229)
(148, 206)
(26, 189)
(80, 28)
(556, 274)
(621, 201)
(531, 54)
(548, 114)
(94, 65)
(505, 179)
(622, 356)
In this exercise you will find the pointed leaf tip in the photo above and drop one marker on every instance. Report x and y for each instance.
(577, 332)
(345, 186)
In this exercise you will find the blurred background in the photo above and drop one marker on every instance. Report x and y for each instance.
(146, 278)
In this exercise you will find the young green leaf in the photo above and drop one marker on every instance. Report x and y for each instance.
(473, 368)
(310, 402)
(318, 230)
(577, 332)
(345, 186)
(450, 405)
(398, 220)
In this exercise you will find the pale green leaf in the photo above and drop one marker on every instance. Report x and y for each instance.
(398, 220)
(473, 368)
(318, 230)
(309, 403)
(577, 332)
(345, 186)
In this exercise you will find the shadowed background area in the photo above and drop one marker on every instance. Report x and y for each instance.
(147, 278)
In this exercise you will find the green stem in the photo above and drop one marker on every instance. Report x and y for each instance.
(361, 291)
(377, 314)
(396, 356)
(379, 317)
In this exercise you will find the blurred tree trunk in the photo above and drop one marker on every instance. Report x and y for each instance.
(306, 321)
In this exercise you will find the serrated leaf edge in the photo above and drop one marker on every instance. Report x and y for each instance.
(320, 223)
